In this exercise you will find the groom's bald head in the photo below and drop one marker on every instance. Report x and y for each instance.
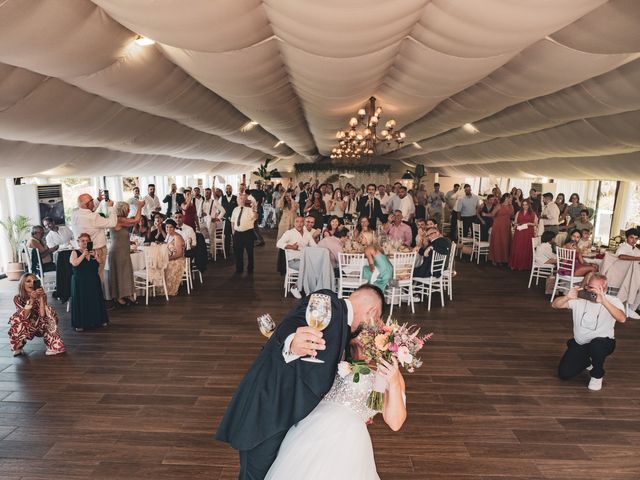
(367, 302)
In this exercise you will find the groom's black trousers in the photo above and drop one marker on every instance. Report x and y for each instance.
(255, 463)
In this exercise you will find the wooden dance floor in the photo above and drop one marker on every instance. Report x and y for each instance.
(142, 398)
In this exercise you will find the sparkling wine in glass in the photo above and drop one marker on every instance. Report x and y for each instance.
(318, 316)
(266, 325)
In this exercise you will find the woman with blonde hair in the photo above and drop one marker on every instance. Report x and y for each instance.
(33, 317)
(120, 267)
(379, 270)
(87, 304)
(175, 270)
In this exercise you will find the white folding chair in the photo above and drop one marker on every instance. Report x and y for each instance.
(479, 247)
(26, 256)
(435, 283)
(186, 275)
(142, 281)
(462, 240)
(402, 284)
(48, 279)
(539, 271)
(449, 272)
(565, 262)
(218, 240)
(350, 267)
(291, 274)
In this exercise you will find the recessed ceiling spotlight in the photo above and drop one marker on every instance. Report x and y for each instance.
(280, 142)
(470, 128)
(248, 126)
(417, 145)
(144, 41)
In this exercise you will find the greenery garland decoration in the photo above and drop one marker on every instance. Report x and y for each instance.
(341, 167)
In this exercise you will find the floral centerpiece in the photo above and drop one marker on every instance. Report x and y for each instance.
(393, 340)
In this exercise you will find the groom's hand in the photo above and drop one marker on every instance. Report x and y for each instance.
(307, 341)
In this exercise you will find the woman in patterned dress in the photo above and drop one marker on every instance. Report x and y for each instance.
(33, 318)
(175, 270)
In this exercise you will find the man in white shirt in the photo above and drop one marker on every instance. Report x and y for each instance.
(186, 232)
(198, 201)
(384, 198)
(297, 238)
(151, 202)
(173, 200)
(85, 220)
(407, 207)
(309, 222)
(594, 320)
(435, 201)
(626, 251)
(550, 213)
(133, 202)
(467, 207)
(242, 220)
(57, 234)
(544, 252)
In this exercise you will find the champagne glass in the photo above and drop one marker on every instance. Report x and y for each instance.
(318, 316)
(266, 325)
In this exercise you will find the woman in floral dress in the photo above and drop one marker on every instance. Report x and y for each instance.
(33, 318)
(175, 270)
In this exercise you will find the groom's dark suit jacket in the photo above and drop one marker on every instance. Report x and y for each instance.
(275, 395)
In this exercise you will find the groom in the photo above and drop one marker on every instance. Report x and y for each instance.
(279, 390)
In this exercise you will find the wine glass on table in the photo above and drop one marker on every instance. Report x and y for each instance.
(318, 316)
(266, 325)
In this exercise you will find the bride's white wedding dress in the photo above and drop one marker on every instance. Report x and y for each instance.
(332, 442)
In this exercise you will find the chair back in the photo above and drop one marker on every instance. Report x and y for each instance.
(35, 262)
(403, 264)
(459, 230)
(566, 261)
(291, 255)
(452, 257)
(26, 256)
(437, 264)
(350, 266)
(475, 227)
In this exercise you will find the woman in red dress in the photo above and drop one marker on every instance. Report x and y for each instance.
(190, 215)
(521, 252)
(501, 231)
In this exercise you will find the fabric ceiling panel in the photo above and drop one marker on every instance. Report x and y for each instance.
(58, 113)
(255, 81)
(469, 28)
(614, 92)
(49, 37)
(200, 25)
(612, 28)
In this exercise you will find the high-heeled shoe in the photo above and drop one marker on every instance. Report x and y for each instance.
(130, 302)
(117, 304)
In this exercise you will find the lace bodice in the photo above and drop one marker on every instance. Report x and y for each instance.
(352, 395)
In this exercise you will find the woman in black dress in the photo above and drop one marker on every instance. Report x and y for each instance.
(317, 209)
(157, 233)
(87, 304)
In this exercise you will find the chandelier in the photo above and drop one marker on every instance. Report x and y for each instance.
(362, 138)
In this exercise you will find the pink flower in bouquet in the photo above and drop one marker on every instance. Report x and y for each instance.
(382, 342)
(344, 369)
(393, 347)
(404, 355)
(387, 328)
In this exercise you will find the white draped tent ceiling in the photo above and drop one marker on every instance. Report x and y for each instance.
(552, 86)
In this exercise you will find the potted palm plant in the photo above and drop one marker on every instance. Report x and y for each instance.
(15, 230)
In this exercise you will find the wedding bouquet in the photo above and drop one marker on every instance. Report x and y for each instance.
(401, 342)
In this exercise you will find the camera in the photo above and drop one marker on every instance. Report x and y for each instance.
(37, 284)
(90, 246)
(587, 295)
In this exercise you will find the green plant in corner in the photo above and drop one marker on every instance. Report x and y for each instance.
(264, 172)
(16, 230)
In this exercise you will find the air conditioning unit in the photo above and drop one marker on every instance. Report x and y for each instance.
(50, 203)
(39, 201)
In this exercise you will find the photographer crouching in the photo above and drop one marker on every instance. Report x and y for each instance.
(594, 317)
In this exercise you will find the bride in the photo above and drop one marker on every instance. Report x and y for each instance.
(333, 442)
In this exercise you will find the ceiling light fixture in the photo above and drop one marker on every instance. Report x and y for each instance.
(248, 126)
(144, 41)
(417, 145)
(470, 128)
(362, 138)
(280, 142)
